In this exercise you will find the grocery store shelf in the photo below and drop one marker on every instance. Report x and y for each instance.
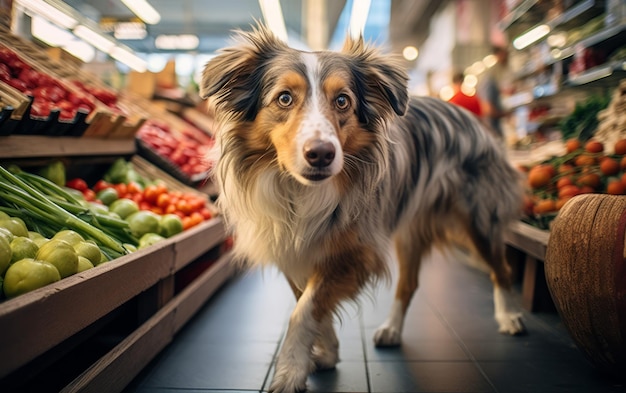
(67, 307)
(33, 146)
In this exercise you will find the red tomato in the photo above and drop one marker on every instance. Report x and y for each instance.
(77, 184)
(150, 194)
(163, 200)
(101, 185)
(134, 187)
(121, 188)
(90, 195)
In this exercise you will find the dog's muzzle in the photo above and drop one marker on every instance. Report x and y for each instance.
(319, 155)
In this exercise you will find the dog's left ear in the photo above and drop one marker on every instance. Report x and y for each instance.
(381, 82)
(233, 79)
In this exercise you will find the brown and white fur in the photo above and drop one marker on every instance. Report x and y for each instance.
(323, 160)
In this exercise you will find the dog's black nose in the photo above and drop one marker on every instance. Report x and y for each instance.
(319, 153)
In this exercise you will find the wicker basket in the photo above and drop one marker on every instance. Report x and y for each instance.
(585, 269)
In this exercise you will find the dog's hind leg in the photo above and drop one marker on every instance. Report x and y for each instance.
(409, 252)
(506, 310)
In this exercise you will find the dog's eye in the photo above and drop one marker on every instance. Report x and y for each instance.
(342, 102)
(285, 99)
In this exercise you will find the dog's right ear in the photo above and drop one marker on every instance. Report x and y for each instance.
(233, 79)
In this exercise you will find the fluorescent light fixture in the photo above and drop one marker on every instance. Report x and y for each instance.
(143, 10)
(94, 38)
(81, 50)
(51, 13)
(557, 40)
(273, 16)
(410, 53)
(177, 42)
(129, 58)
(49, 33)
(531, 36)
(358, 17)
(130, 31)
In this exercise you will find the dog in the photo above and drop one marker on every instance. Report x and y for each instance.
(323, 162)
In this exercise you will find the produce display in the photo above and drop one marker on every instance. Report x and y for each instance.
(186, 148)
(48, 92)
(594, 162)
(49, 231)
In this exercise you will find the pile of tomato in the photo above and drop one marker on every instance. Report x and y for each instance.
(192, 208)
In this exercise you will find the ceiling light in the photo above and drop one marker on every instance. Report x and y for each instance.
(94, 38)
(51, 13)
(358, 17)
(130, 31)
(49, 33)
(273, 16)
(531, 36)
(81, 50)
(557, 40)
(143, 10)
(177, 42)
(410, 53)
(129, 58)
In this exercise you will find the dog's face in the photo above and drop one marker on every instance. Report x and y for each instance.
(304, 111)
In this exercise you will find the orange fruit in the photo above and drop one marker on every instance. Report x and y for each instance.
(620, 147)
(616, 187)
(544, 206)
(589, 179)
(609, 166)
(572, 145)
(584, 160)
(594, 147)
(540, 176)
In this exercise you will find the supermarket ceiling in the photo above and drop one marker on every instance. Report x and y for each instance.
(316, 24)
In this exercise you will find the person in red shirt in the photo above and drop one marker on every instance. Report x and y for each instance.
(469, 102)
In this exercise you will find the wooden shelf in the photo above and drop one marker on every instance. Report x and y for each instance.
(21, 146)
(65, 308)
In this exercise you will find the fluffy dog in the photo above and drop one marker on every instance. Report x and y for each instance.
(323, 160)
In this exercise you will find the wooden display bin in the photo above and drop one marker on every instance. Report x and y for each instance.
(40, 327)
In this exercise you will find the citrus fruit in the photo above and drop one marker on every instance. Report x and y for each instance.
(5, 254)
(107, 195)
(124, 207)
(170, 225)
(5, 233)
(70, 236)
(23, 247)
(83, 264)
(15, 225)
(28, 274)
(60, 254)
(143, 222)
(149, 239)
(89, 250)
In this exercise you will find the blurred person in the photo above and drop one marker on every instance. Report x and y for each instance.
(470, 102)
(490, 90)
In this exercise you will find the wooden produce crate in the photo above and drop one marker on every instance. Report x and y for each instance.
(102, 122)
(527, 247)
(35, 326)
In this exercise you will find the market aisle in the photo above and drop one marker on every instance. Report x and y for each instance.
(451, 344)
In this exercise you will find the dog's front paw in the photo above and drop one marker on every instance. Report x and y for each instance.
(288, 380)
(510, 323)
(325, 359)
(387, 336)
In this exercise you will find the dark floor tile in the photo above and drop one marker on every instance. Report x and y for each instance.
(418, 350)
(529, 347)
(210, 373)
(346, 377)
(431, 377)
(545, 376)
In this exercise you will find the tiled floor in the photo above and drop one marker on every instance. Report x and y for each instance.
(450, 344)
